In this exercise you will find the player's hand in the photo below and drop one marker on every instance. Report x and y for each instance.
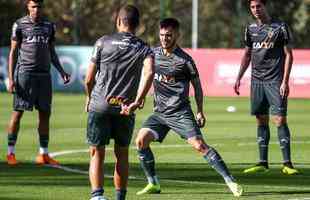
(129, 109)
(10, 86)
(237, 86)
(87, 104)
(284, 90)
(65, 77)
(200, 119)
(142, 104)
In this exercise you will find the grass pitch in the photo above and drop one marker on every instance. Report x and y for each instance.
(183, 173)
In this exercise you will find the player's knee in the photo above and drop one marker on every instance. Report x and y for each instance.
(262, 120)
(143, 139)
(200, 147)
(279, 120)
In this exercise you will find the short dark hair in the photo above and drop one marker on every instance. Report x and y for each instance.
(263, 1)
(36, 1)
(130, 16)
(169, 22)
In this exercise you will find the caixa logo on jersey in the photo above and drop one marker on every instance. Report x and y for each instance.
(263, 45)
(37, 39)
(124, 43)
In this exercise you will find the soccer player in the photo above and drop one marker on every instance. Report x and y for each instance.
(114, 91)
(268, 48)
(174, 71)
(33, 38)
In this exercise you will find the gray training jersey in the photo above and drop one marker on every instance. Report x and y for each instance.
(172, 80)
(266, 42)
(34, 39)
(119, 59)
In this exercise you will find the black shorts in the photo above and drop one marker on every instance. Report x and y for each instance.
(102, 127)
(265, 98)
(183, 123)
(33, 90)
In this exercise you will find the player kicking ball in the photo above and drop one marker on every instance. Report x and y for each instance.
(174, 71)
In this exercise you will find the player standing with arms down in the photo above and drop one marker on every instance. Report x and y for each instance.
(268, 48)
(32, 39)
(112, 83)
(174, 71)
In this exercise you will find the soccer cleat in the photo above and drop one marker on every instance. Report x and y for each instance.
(150, 189)
(11, 159)
(289, 171)
(42, 159)
(256, 169)
(99, 198)
(235, 188)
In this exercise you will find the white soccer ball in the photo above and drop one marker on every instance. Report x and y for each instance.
(231, 109)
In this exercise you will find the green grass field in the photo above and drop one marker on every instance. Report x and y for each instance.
(183, 173)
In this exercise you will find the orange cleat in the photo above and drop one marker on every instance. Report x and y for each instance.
(42, 159)
(11, 159)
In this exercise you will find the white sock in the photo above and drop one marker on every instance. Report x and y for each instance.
(11, 149)
(43, 150)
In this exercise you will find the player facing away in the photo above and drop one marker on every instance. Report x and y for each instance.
(114, 91)
(32, 39)
(268, 48)
(174, 71)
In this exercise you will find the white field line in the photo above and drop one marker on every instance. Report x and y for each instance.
(68, 169)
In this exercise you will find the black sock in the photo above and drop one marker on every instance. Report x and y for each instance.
(44, 139)
(216, 162)
(147, 163)
(285, 140)
(120, 194)
(97, 192)
(12, 138)
(263, 137)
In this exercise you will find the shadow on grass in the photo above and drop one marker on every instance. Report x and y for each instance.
(174, 176)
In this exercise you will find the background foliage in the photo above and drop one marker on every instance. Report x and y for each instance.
(221, 22)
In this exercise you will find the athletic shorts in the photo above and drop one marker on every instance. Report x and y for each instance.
(183, 123)
(101, 127)
(265, 98)
(33, 90)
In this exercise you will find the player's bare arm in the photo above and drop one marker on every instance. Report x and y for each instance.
(55, 60)
(145, 85)
(245, 62)
(89, 82)
(285, 89)
(199, 101)
(12, 63)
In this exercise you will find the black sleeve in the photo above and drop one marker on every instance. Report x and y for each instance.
(287, 35)
(16, 33)
(247, 38)
(192, 69)
(53, 33)
(95, 57)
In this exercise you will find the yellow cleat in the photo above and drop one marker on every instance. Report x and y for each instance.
(235, 188)
(150, 189)
(256, 169)
(11, 160)
(289, 171)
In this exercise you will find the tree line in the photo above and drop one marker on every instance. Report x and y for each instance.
(220, 23)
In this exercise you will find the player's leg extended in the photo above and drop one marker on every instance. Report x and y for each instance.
(96, 170)
(284, 137)
(263, 138)
(216, 162)
(121, 171)
(13, 129)
(43, 130)
(147, 161)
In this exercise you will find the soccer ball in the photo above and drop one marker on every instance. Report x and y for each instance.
(231, 109)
